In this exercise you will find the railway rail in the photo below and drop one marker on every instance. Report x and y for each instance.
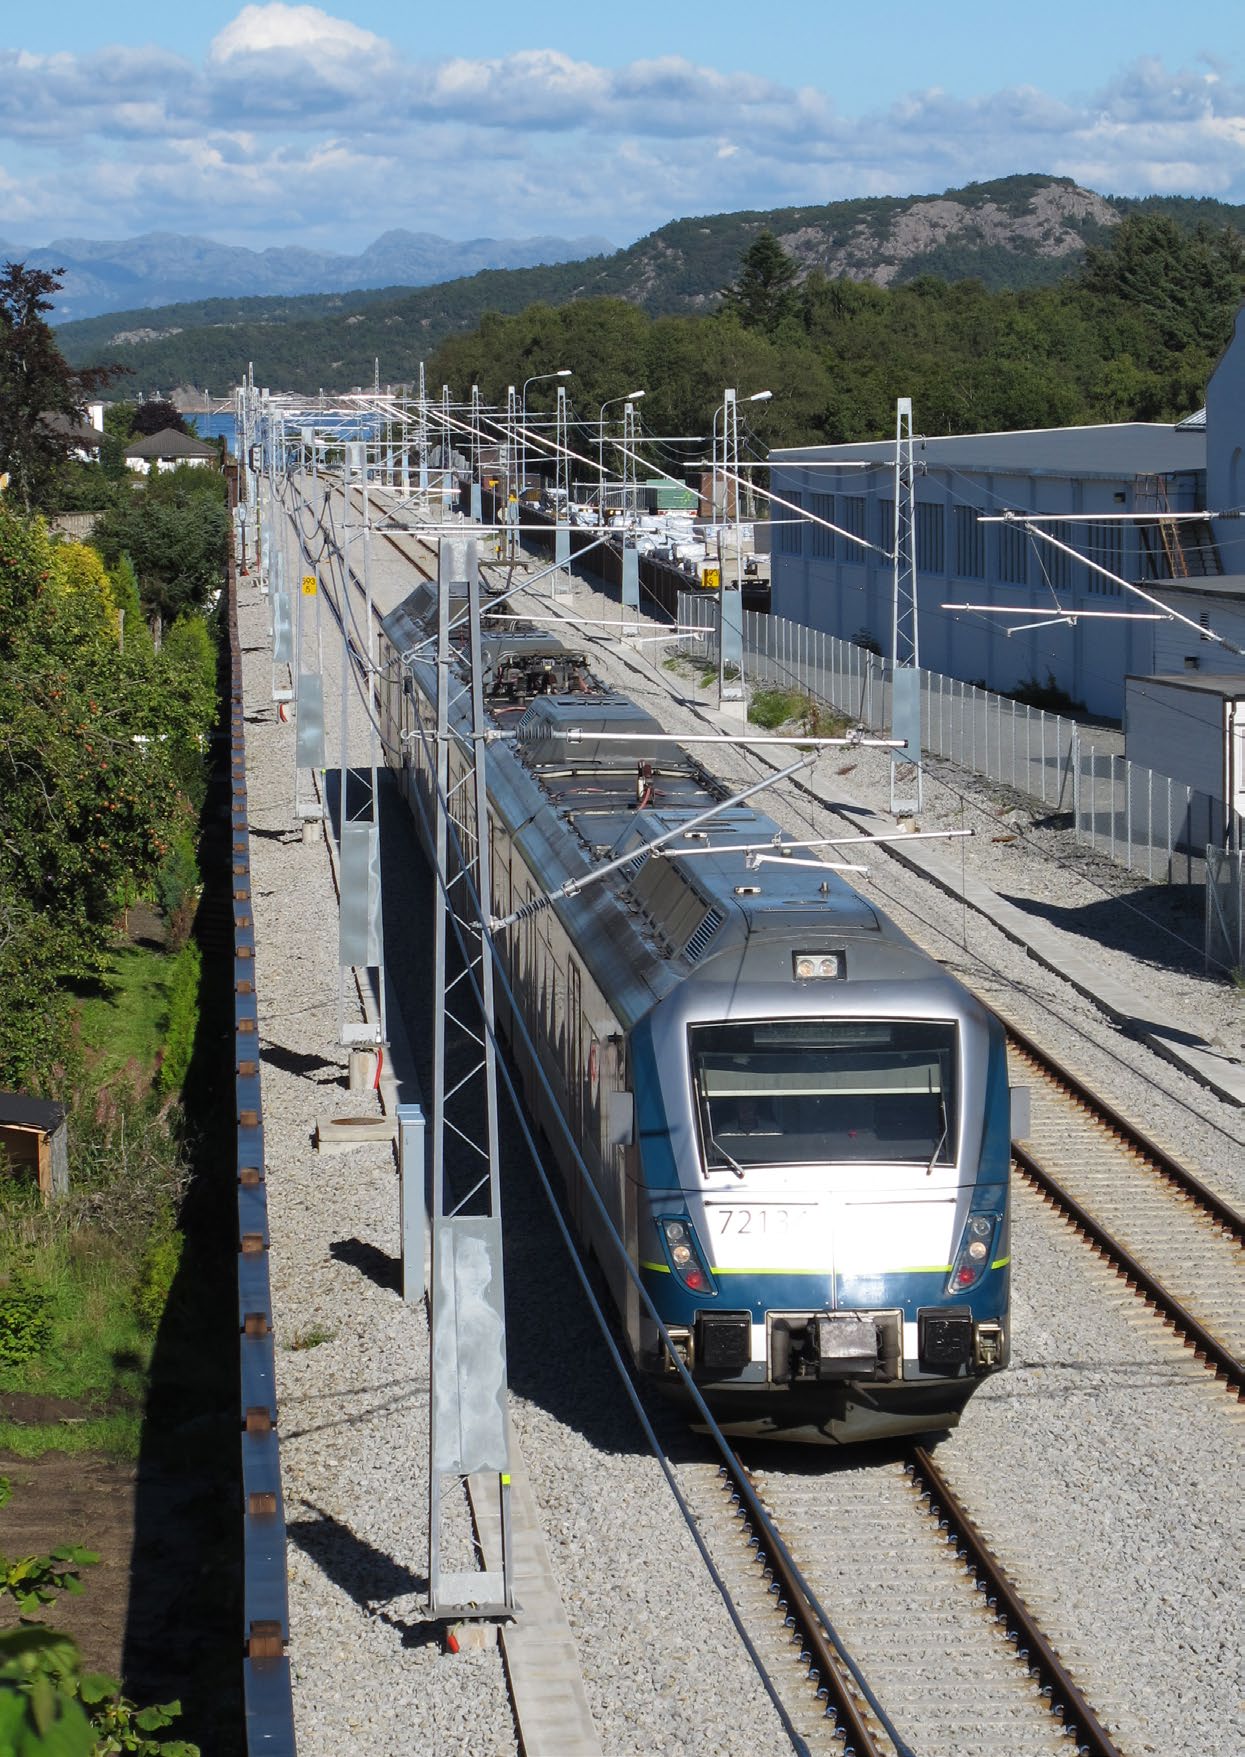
(1175, 1241)
(999, 1673)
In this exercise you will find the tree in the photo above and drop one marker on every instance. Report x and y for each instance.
(765, 292)
(156, 416)
(175, 532)
(41, 396)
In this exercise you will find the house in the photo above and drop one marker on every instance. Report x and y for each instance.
(1082, 478)
(168, 449)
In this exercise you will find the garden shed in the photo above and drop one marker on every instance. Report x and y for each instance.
(34, 1137)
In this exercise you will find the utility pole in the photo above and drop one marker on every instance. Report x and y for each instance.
(905, 643)
(468, 1429)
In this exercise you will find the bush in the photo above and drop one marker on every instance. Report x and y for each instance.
(177, 885)
(155, 1282)
(25, 1319)
(183, 1017)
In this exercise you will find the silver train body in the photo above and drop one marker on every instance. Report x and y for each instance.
(797, 1122)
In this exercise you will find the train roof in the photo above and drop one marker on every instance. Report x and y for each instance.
(702, 902)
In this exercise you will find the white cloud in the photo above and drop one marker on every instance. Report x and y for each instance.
(300, 30)
(297, 123)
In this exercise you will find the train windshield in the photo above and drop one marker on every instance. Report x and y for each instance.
(784, 1092)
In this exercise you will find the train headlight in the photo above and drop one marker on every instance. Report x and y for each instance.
(973, 1257)
(817, 966)
(686, 1258)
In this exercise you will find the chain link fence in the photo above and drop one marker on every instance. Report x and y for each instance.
(1142, 820)
(1225, 909)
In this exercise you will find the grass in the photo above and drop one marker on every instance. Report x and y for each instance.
(126, 1025)
(312, 1337)
(117, 1435)
(83, 1283)
(96, 1350)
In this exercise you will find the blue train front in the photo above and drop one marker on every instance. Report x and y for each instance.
(823, 1149)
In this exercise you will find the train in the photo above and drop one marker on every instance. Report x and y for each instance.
(797, 1122)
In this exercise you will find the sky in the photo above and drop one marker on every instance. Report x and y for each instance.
(290, 124)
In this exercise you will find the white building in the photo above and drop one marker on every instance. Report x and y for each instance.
(1197, 566)
(168, 449)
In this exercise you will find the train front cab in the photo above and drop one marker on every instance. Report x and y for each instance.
(824, 1216)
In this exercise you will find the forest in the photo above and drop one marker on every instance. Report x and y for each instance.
(986, 323)
(1132, 337)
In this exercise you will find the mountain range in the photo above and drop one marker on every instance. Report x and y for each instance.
(1013, 233)
(164, 268)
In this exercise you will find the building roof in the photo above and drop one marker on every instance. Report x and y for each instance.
(1122, 449)
(56, 422)
(30, 1113)
(169, 443)
(1208, 682)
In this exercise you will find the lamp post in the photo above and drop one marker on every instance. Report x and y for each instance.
(632, 396)
(563, 372)
(730, 597)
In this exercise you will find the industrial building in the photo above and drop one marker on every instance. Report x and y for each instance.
(1195, 565)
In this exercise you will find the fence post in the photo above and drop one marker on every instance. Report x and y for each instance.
(414, 1200)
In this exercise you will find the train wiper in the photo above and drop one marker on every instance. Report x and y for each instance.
(940, 1142)
(734, 1164)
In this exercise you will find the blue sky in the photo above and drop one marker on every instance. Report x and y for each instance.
(279, 123)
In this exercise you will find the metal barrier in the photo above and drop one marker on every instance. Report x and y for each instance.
(1142, 820)
(265, 1607)
(1225, 909)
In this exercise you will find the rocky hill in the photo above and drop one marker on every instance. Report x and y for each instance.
(1013, 233)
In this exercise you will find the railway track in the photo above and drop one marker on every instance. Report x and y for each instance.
(917, 1597)
(1175, 1241)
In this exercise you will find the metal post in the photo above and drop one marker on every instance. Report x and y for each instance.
(468, 1427)
(905, 642)
(413, 1188)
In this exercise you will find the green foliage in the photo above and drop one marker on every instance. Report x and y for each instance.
(175, 530)
(177, 881)
(159, 1271)
(775, 707)
(183, 1017)
(34, 1581)
(36, 382)
(25, 1318)
(155, 415)
(1049, 695)
(40, 1715)
(101, 765)
(49, 1707)
(764, 293)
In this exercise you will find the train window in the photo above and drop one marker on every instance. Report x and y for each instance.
(836, 1091)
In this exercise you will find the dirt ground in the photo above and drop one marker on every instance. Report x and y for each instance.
(83, 1499)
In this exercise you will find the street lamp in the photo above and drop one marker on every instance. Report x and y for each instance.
(632, 396)
(563, 372)
(729, 403)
